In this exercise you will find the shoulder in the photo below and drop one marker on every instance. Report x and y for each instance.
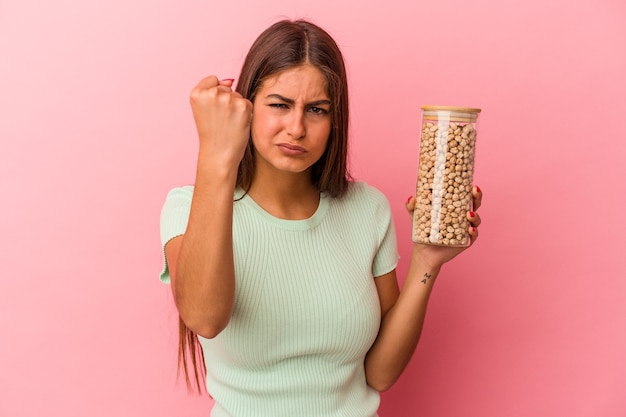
(363, 199)
(185, 191)
(363, 213)
(363, 192)
(178, 198)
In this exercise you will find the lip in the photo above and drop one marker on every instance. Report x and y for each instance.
(291, 149)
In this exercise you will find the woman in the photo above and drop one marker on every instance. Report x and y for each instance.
(282, 267)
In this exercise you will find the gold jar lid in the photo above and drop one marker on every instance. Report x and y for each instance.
(451, 113)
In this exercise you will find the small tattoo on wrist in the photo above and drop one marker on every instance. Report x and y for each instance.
(427, 276)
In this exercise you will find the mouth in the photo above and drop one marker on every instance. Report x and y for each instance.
(291, 148)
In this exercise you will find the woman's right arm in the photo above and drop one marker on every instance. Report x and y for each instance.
(201, 261)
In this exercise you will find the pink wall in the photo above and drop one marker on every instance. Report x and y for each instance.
(95, 128)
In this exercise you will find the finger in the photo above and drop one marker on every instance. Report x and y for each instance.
(232, 92)
(410, 204)
(473, 232)
(474, 218)
(224, 89)
(208, 82)
(477, 197)
(199, 94)
(227, 82)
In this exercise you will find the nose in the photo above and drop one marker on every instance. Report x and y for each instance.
(295, 125)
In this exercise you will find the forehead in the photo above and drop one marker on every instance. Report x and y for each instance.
(304, 81)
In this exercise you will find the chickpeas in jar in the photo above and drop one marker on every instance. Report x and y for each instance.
(444, 181)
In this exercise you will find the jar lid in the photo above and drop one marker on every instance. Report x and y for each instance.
(453, 113)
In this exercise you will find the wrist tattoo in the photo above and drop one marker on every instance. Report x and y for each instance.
(427, 276)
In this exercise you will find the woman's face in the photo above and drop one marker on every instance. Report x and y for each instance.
(291, 120)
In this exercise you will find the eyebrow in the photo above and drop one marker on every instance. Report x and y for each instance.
(292, 101)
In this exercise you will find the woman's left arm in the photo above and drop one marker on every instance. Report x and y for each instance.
(403, 312)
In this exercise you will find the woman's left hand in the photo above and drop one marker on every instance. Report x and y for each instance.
(436, 255)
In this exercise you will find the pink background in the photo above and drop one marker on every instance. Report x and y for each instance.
(95, 127)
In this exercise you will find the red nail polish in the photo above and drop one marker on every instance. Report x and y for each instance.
(472, 214)
(472, 229)
(228, 79)
(409, 199)
(477, 189)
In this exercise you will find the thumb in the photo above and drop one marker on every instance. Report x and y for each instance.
(228, 82)
(410, 205)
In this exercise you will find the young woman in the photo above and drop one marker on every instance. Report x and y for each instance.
(283, 268)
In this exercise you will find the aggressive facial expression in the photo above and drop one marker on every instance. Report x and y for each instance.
(291, 120)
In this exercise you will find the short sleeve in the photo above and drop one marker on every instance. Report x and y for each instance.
(174, 218)
(387, 256)
(372, 209)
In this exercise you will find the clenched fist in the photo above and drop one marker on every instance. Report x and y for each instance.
(222, 119)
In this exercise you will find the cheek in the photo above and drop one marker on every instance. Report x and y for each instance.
(325, 134)
(263, 125)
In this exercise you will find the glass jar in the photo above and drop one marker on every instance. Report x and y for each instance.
(443, 193)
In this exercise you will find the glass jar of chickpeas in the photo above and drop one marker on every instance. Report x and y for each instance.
(444, 181)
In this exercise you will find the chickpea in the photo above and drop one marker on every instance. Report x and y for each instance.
(443, 187)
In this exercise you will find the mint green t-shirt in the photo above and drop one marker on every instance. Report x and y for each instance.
(306, 307)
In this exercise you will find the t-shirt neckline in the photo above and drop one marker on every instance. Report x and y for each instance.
(304, 224)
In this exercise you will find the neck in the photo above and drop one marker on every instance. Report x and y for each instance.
(291, 196)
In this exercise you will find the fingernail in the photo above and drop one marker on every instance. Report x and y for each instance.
(229, 79)
(409, 199)
(477, 189)
(472, 214)
(472, 229)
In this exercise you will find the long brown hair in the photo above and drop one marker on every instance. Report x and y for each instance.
(287, 44)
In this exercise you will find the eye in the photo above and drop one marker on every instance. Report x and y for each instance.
(318, 110)
(279, 105)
